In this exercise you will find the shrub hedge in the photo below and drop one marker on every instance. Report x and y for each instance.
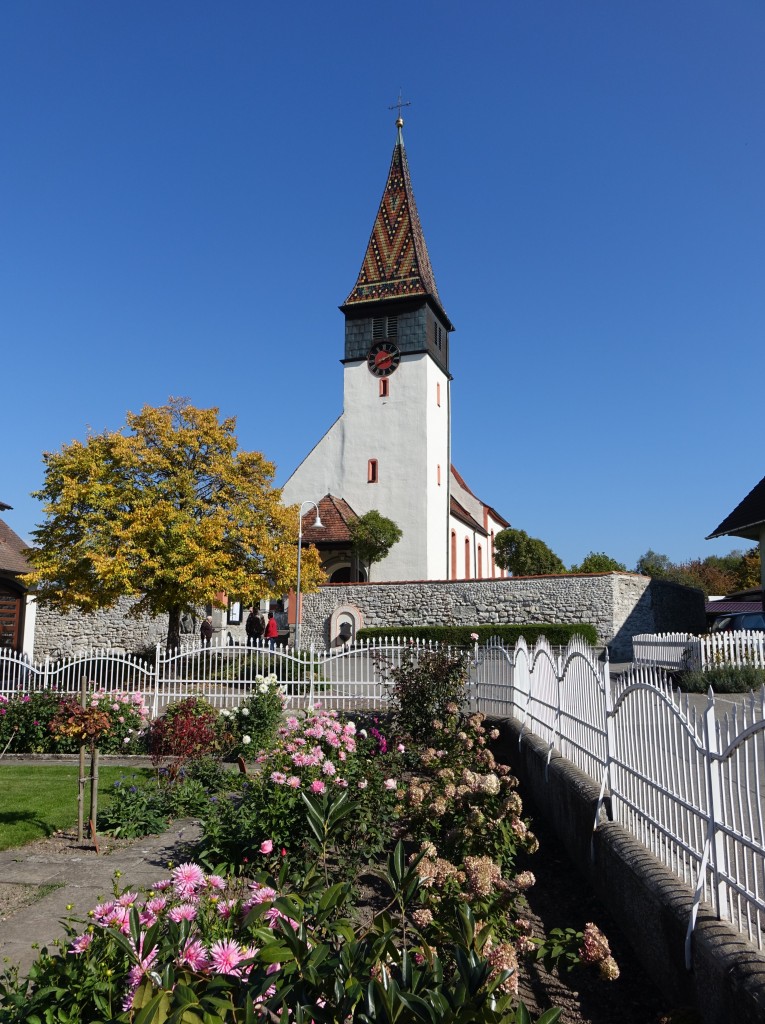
(722, 679)
(558, 634)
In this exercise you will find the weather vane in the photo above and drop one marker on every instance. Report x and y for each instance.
(399, 103)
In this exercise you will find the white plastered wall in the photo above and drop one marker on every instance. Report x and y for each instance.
(407, 434)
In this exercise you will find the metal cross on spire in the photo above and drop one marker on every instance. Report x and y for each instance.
(399, 103)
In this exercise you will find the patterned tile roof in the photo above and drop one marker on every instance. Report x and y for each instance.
(335, 514)
(747, 517)
(396, 264)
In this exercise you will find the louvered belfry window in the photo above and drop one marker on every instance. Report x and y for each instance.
(384, 327)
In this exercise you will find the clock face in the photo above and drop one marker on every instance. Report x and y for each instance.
(383, 358)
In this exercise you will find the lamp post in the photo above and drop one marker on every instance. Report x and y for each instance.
(318, 523)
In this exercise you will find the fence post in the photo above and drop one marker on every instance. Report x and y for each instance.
(714, 834)
(310, 676)
(608, 707)
(155, 701)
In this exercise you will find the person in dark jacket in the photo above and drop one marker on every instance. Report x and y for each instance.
(253, 628)
(206, 631)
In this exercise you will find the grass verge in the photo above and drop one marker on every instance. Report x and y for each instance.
(37, 801)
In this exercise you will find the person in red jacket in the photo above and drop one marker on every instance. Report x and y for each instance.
(272, 631)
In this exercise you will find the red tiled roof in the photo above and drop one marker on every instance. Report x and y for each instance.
(12, 548)
(396, 264)
(335, 515)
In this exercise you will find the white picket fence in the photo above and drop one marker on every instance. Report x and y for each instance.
(687, 783)
(688, 651)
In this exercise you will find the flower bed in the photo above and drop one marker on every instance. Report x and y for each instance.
(353, 873)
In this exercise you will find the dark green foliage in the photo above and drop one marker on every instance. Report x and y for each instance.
(722, 679)
(599, 561)
(525, 556)
(373, 535)
(135, 810)
(558, 634)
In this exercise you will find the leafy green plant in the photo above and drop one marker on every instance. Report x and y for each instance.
(135, 810)
(722, 679)
(250, 726)
(427, 686)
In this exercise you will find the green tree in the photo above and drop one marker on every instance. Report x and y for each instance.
(599, 561)
(167, 510)
(525, 556)
(748, 571)
(653, 564)
(373, 535)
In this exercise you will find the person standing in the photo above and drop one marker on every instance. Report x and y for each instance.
(253, 627)
(272, 631)
(206, 631)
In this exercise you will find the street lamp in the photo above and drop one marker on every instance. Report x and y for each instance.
(318, 523)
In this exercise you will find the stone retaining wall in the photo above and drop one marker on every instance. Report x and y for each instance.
(619, 605)
(726, 981)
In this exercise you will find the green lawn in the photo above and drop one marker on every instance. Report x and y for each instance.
(37, 801)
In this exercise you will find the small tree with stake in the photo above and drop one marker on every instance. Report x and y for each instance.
(88, 725)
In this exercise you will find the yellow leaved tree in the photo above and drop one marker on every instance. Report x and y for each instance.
(167, 510)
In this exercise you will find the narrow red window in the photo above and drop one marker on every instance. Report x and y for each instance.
(438, 392)
(438, 474)
(467, 558)
(479, 567)
(454, 556)
(384, 391)
(372, 471)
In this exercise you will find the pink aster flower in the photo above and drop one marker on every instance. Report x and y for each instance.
(225, 955)
(317, 786)
(156, 904)
(328, 768)
(81, 943)
(187, 878)
(266, 846)
(279, 778)
(261, 893)
(390, 783)
(216, 882)
(294, 782)
(225, 908)
(183, 912)
(127, 899)
(362, 783)
(193, 955)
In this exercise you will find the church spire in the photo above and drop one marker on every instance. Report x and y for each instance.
(396, 264)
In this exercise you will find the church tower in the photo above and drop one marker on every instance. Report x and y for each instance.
(390, 448)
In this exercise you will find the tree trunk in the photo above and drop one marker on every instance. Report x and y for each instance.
(174, 629)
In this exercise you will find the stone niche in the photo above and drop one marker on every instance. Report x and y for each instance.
(344, 622)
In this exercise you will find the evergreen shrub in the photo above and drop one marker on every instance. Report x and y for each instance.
(558, 634)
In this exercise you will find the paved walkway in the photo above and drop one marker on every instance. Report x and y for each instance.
(84, 879)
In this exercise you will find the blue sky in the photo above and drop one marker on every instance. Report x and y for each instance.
(188, 190)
